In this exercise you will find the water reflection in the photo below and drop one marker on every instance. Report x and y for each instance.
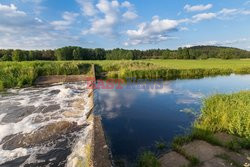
(135, 118)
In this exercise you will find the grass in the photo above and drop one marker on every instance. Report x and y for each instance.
(148, 159)
(20, 74)
(173, 69)
(226, 113)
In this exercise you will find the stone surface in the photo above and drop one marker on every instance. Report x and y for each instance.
(101, 153)
(173, 159)
(225, 138)
(216, 162)
(241, 159)
(202, 150)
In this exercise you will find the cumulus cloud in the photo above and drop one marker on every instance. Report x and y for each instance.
(104, 25)
(153, 32)
(87, 7)
(68, 19)
(198, 8)
(106, 15)
(10, 11)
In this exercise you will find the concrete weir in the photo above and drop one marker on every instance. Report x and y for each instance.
(95, 152)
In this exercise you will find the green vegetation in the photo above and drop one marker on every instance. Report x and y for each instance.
(160, 145)
(172, 69)
(148, 159)
(226, 113)
(24, 73)
(78, 53)
(19, 74)
(221, 113)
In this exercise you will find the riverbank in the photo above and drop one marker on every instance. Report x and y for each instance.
(22, 74)
(220, 136)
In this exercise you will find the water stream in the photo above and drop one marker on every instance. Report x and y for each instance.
(42, 126)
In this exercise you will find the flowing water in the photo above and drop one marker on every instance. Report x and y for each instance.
(44, 126)
(135, 119)
(48, 126)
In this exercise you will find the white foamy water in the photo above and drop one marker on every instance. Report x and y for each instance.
(26, 111)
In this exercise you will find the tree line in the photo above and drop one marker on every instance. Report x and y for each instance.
(78, 53)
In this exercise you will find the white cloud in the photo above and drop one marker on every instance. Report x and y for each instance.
(68, 19)
(184, 29)
(87, 7)
(196, 8)
(228, 13)
(153, 32)
(32, 1)
(129, 15)
(106, 15)
(10, 11)
(127, 4)
(21, 30)
(203, 16)
(104, 25)
(223, 14)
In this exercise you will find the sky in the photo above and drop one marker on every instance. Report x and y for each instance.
(129, 24)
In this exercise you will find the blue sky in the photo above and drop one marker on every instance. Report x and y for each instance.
(131, 24)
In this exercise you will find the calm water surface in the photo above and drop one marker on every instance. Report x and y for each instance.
(135, 119)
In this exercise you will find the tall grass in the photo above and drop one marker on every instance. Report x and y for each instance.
(25, 73)
(226, 113)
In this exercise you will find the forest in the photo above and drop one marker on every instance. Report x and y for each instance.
(79, 53)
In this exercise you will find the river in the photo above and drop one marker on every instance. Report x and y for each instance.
(135, 119)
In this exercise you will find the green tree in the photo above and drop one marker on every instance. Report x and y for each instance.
(17, 55)
(6, 58)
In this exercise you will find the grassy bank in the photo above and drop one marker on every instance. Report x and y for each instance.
(173, 69)
(19, 74)
(226, 113)
(13, 74)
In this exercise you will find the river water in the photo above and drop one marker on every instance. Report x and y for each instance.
(135, 119)
(44, 126)
(48, 126)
